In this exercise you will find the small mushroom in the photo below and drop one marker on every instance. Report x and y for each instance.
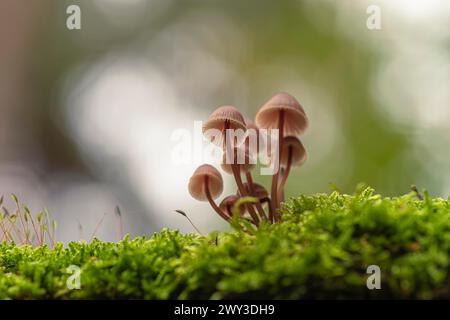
(222, 119)
(258, 191)
(284, 108)
(206, 184)
(228, 203)
(293, 154)
(255, 190)
(206, 179)
(282, 112)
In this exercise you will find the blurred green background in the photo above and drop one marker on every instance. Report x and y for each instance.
(87, 115)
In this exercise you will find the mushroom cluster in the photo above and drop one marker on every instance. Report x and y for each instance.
(282, 113)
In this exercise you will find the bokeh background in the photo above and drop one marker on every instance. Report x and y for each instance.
(86, 116)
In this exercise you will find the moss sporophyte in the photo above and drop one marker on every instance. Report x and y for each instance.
(242, 144)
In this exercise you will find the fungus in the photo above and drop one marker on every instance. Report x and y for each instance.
(282, 112)
(227, 204)
(237, 136)
(293, 154)
(259, 192)
(283, 108)
(206, 184)
(223, 119)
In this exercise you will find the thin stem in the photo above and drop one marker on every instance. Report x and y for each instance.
(120, 222)
(243, 192)
(5, 232)
(285, 175)
(259, 207)
(211, 200)
(193, 225)
(99, 223)
(35, 230)
(228, 212)
(80, 230)
(19, 213)
(236, 173)
(16, 231)
(271, 209)
(274, 190)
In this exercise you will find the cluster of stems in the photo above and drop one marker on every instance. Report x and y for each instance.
(283, 114)
(22, 228)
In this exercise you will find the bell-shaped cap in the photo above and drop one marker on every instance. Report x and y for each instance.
(228, 203)
(223, 115)
(298, 151)
(202, 175)
(295, 119)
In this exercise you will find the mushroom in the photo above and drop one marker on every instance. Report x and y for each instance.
(283, 108)
(259, 192)
(227, 204)
(256, 190)
(206, 184)
(282, 112)
(222, 119)
(293, 154)
(229, 118)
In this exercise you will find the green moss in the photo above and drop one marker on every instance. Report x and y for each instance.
(321, 249)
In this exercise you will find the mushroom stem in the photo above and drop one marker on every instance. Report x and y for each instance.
(285, 176)
(211, 200)
(229, 211)
(259, 207)
(274, 190)
(271, 209)
(236, 173)
(237, 177)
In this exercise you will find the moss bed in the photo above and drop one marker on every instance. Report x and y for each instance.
(321, 249)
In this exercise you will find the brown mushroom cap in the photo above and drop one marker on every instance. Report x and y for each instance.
(259, 191)
(217, 120)
(197, 187)
(228, 202)
(247, 165)
(298, 151)
(296, 121)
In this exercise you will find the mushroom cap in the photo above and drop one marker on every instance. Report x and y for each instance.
(229, 202)
(248, 162)
(299, 154)
(259, 191)
(296, 121)
(197, 186)
(217, 121)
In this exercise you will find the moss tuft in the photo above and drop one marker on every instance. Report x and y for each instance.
(321, 249)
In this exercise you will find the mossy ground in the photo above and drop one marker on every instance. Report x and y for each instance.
(321, 249)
